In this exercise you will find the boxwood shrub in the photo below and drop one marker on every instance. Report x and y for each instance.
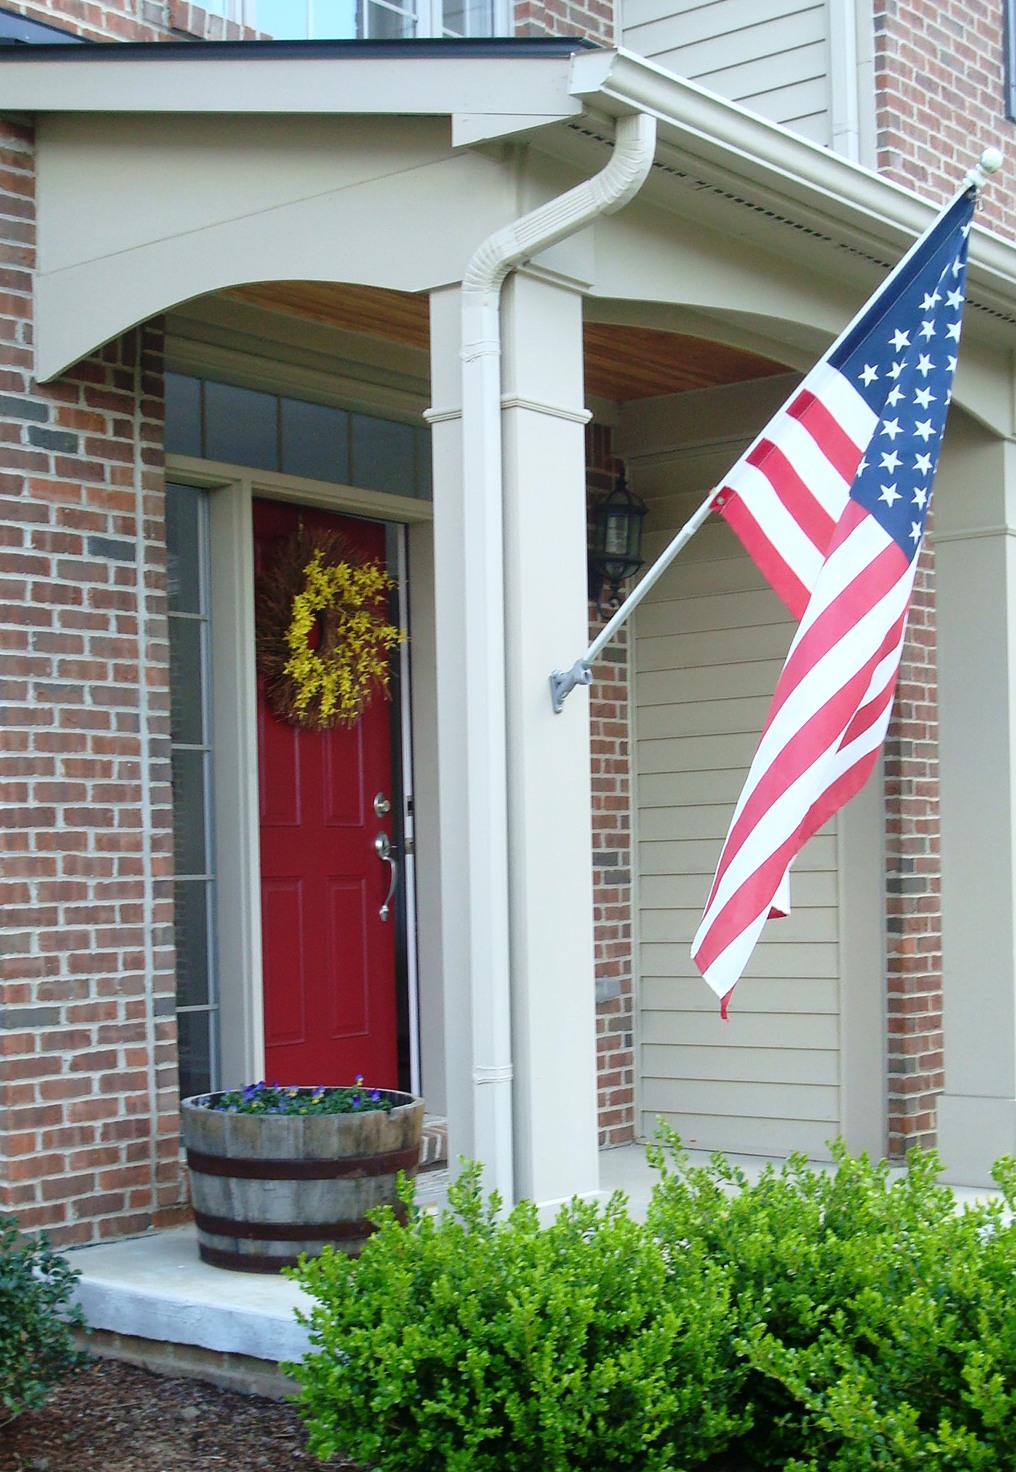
(827, 1319)
(476, 1342)
(36, 1320)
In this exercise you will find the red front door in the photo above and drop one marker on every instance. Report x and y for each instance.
(328, 956)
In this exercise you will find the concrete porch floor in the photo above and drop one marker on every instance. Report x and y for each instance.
(152, 1301)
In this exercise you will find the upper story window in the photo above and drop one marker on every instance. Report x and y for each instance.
(1010, 59)
(366, 20)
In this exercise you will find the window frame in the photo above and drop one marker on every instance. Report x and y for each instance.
(205, 747)
(1009, 36)
(429, 16)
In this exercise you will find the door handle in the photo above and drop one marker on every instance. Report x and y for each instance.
(385, 852)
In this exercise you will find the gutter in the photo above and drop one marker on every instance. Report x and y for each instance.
(788, 172)
(483, 573)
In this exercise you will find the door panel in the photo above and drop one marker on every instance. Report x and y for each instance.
(329, 959)
(282, 931)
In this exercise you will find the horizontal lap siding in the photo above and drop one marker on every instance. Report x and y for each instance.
(771, 56)
(710, 642)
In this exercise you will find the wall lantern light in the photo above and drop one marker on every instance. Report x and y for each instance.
(615, 542)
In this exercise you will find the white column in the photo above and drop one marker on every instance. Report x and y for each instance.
(469, 616)
(549, 815)
(975, 553)
(452, 694)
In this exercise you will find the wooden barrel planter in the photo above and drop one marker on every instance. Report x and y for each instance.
(266, 1188)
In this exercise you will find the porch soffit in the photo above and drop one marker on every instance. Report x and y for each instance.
(770, 186)
(622, 362)
(519, 86)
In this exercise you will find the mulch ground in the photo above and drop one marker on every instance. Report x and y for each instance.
(112, 1417)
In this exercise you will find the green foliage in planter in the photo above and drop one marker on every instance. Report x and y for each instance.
(272, 1099)
(877, 1319)
(475, 1342)
(36, 1346)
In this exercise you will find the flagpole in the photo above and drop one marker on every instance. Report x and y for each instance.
(562, 682)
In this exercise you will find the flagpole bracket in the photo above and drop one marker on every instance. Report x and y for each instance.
(563, 682)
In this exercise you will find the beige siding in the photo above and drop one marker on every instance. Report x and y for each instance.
(772, 56)
(710, 641)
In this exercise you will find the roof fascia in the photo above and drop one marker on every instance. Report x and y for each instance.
(736, 148)
(514, 92)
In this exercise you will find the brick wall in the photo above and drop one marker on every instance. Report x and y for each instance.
(597, 20)
(98, 20)
(939, 77)
(132, 20)
(940, 101)
(913, 884)
(612, 851)
(88, 1129)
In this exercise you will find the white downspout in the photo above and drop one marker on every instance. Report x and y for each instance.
(844, 80)
(485, 780)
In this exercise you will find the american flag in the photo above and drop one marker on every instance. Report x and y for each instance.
(831, 502)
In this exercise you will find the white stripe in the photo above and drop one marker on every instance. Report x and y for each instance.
(809, 460)
(844, 403)
(769, 834)
(776, 525)
(726, 970)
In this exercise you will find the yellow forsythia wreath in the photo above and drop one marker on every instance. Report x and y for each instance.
(319, 585)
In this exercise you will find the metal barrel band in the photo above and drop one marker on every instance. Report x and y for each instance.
(245, 1262)
(224, 1226)
(354, 1167)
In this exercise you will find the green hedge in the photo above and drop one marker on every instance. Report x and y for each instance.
(36, 1320)
(819, 1320)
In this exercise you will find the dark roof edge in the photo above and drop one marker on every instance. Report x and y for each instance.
(492, 47)
(18, 30)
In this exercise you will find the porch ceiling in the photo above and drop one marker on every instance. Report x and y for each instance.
(621, 362)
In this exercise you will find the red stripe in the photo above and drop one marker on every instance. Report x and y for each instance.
(827, 432)
(828, 630)
(756, 891)
(846, 786)
(873, 582)
(745, 904)
(819, 734)
(736, 915)
(795, 494)
(810, 741)
(779, 574)
(828, 802)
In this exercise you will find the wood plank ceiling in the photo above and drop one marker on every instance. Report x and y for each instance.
(621, 363)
